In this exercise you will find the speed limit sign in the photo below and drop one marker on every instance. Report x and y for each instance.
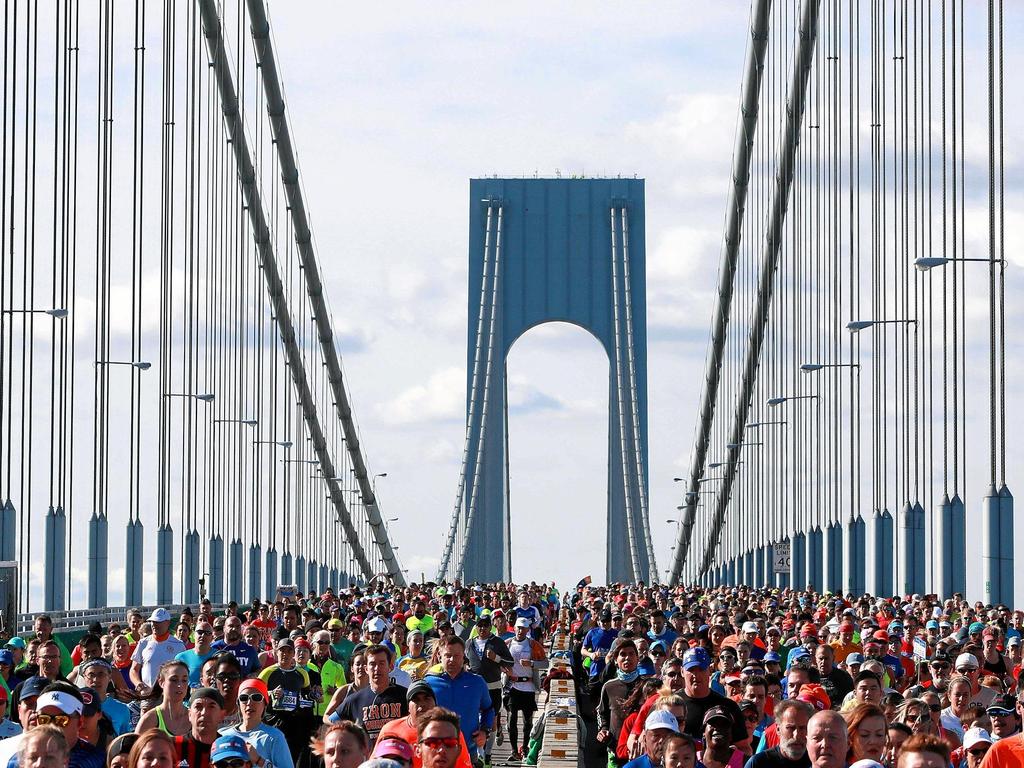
(780, 562)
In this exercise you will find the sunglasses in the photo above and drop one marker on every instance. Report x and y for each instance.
(657, 652)
(965, 670)
(922, 718)
(256, 698)
(940, 667)
(978, 752)
(227, 677)
(751, 718)
(234, 762)
(60, 721)
(204, 631)
(322, 642)
(434, 742)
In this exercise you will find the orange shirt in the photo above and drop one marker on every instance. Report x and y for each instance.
(1006, 753)
(400, 729)
(842, 651)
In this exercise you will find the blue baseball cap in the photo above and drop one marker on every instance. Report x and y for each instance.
(33, 686)
(932, 624)
(975, 628)
(227, 747)
(771, 656)
(17, 642)
(854, 658)
(6, 657)
(696, 658)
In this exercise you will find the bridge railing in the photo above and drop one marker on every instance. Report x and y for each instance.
(83, 617)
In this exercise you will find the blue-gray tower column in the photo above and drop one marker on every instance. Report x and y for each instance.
(834, 557)
(300, 573)
(190, 566)
(98, 563)
(56, 560)
(165, 564)
(997, 545)
(236, 570)
(311, 581)
(215, 563)
(912, 549)
(324, 579)
(255, 570)
(815, 558)
(556, 264)
(271, 574)
(856, 557)
(286, 568)
(8, 529)
(798, 561)
(133, 563)
(881, 529)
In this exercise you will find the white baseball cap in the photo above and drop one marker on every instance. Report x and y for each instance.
(376, 624)
(65, 702)
(749, 626)
(971, 737)
(966, 660)
(661, 720)
(160, 614)
(522, 621)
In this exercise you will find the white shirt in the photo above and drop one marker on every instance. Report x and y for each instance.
(151, 653)
(9, 748)
(521, 649)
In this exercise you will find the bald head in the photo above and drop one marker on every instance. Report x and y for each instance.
(826, 740)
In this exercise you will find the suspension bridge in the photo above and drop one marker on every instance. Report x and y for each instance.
(175, 415)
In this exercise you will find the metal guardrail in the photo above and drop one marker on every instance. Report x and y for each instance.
(83, 617)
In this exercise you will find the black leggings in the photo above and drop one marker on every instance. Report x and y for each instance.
(513, 727)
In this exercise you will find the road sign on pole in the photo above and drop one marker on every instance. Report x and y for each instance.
(780, 561)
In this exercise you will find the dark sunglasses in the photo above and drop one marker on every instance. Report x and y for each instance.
(227, 677)
(234, 762)
(935, 707)
(60, 721)
(204, 631)
(750, 718)
(322, 642)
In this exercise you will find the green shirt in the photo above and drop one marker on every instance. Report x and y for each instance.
(343, 650)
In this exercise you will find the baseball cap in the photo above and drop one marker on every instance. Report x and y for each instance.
(227, 747)
(717, 713)
(931, 624)
(975, 627)
(808, 629)
(854, 658)
(484, 618)
(696, 658)
(1015, 640)
(90, 705)
(65, 702)
(376, 624)
(285, 642)
(522, 621)
(160, 614)
(815, 695)
(966, 660)
(846, 626)
(17, 642)
(122, 745)
(770, 657)
(255, 684)
(393, 747)
(335, 624)
(974, 736)
(773, 630)
(420, 686)
(1003, 704)
(881, 635)
(749, 626)
(33, 687)
(6, 657)
(661, 720)
(207, 693)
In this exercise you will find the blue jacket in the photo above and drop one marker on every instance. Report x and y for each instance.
(467, 696)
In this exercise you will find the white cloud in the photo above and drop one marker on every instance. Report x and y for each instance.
(441, 398)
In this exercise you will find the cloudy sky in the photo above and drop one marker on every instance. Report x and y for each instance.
(393, 113)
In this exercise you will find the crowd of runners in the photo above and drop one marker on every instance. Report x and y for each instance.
(442, 676)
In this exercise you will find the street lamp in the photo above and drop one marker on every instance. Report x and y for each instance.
(140, 364)
(774, 401)
(717, 464)
(930, 262)
(678, 479)
(279, 443)
(57, 314)
(246, 422)
(206, 397)
(300, 461)
(856, 326)
(811, 367)
(756, 424)
(734, 446)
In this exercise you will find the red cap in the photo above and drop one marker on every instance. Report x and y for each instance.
(303, 643)
(808, 629)
(814, 695)
(881, 635)
(846, 626)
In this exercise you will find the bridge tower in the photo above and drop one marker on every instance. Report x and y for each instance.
(546, 250)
